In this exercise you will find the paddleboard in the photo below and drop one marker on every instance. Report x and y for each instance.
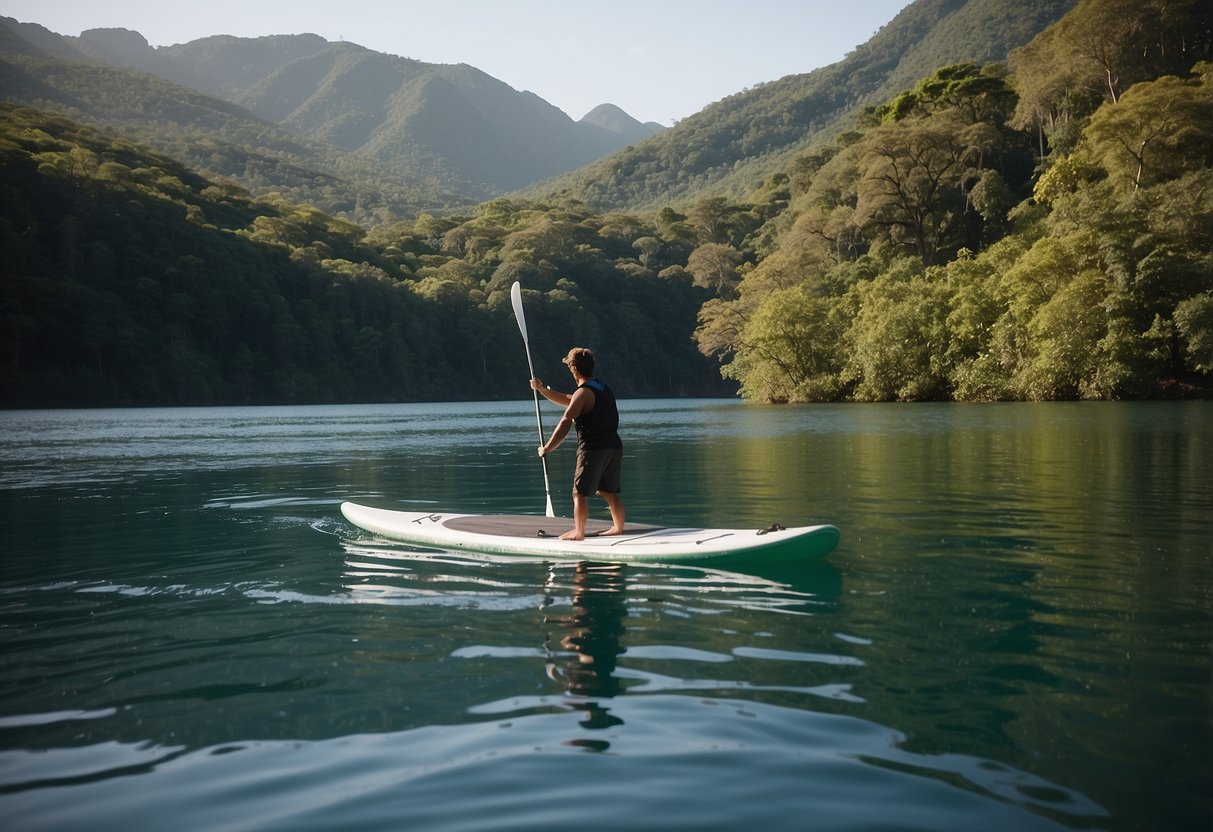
(524, 534)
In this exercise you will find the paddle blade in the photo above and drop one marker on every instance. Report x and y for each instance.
(516, 299)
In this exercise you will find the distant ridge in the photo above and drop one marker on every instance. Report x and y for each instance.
(613, 119)
(729, 147)
(450, 124)
(360, 133)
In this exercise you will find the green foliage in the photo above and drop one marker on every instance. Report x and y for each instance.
(1095, 53)
(979, 236)
(791, 348)
(897, 337)
(1096, 285)
(1194, 321)
(1064, 335)
(129, 279)
(1155, 132)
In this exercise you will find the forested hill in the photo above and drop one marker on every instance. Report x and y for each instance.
(1035, 229)
(729, 147)
(406, 114)
(371, 137)
(129, 279)
(399, 134)
(215, 137)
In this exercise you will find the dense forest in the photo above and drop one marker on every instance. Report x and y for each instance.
(130, 279)
(1035, 229)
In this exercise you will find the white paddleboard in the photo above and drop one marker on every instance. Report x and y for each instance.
(524, 534)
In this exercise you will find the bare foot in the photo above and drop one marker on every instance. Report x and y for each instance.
(613, 530)
(573, 535)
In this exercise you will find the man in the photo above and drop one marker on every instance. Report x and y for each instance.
(591, 408)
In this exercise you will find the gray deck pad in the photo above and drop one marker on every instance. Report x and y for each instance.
(529, 525)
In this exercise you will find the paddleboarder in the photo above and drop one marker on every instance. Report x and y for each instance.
(592, 410)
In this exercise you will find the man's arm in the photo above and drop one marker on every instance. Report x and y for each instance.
(554, 396)
(577, 403)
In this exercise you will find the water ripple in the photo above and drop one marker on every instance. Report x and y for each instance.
(553, 764)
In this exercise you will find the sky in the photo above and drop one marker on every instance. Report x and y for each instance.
(659, 60)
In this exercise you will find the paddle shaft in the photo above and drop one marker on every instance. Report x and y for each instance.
(516, 297)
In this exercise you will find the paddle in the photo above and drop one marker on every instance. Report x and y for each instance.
(516, 299)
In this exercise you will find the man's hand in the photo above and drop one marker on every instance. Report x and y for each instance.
(542, 451)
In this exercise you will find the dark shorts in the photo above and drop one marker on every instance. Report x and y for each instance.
(598, 470)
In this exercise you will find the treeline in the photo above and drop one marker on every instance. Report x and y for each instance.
(128, 279)
(1037, 231)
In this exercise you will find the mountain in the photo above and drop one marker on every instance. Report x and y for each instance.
(217, 138)
(612, 118)
(730, 147)
(397, 111)
(370, 136)
(450, 125)
(32, 40)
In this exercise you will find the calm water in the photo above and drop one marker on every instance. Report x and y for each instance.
(1015, 632)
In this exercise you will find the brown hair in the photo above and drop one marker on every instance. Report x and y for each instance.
(581, 360)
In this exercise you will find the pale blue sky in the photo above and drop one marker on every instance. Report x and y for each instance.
(660, 60)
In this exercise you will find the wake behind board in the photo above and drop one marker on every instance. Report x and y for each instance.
(524, 534)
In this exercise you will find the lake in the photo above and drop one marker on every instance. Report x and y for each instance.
(1015, 633)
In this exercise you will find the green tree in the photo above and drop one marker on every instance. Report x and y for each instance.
(714, 266)
(909, 173)
(790, 348)
(1194, 320)
(898, 337)
(1065, 335)
(1102, 47)
(1157, 131)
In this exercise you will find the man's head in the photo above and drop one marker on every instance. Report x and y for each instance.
(581, 360)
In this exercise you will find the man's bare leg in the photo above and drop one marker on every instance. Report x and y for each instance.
(615, 503)
(581, 513)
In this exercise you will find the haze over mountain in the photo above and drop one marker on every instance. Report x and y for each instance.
(445, 123)
(369, 136)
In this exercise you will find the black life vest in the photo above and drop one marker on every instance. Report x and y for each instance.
(600, 427)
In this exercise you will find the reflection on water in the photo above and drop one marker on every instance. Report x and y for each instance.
(592, 629)
(1014, 633)
(592, 633)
